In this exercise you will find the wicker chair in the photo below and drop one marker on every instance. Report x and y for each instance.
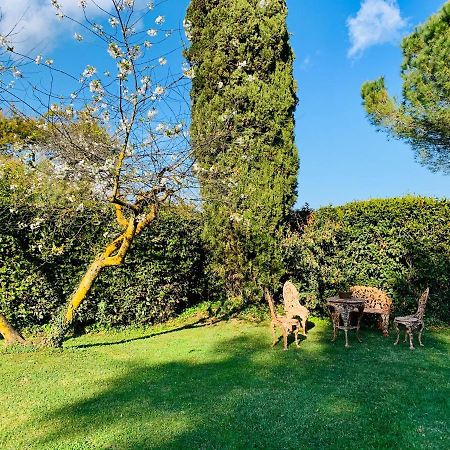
(292, 307)
(414, 322)
(287, 325)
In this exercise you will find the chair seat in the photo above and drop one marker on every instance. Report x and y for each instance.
(407, 319)
(376, 311)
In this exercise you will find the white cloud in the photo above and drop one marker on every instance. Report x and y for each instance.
(32, 25)
(377, 22)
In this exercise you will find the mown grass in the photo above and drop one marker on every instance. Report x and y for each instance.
(223, 386)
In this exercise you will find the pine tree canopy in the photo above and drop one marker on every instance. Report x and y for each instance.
(422, 118)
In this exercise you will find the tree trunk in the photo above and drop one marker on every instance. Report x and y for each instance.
(10, 335)
(113, 255)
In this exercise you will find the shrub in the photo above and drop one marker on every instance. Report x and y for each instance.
(45, 251)
(401, 245)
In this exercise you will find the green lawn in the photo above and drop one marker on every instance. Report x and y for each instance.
(223, 386)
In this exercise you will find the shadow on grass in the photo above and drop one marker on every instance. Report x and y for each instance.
(247, 395)
(199, 323)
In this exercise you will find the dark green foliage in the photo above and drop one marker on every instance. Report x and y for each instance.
(243, 100)
(40, 266)
(163, 275)
(423, 117)
(400, 245)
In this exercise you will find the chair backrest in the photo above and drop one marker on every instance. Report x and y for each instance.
(271, 305)
(422, 303)
(290, 296)
(376, 299)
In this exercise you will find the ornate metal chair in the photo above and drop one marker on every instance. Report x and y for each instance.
(376, 302)
(287, 325)
(292, 307)
(414, 322)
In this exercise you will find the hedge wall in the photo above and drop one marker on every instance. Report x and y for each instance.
(401, 245)
(44, 252)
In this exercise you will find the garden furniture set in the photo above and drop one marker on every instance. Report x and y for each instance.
(360, 300)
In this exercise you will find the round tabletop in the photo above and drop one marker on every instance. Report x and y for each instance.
(345, 301)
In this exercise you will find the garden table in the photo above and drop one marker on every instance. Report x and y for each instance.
(342, 307)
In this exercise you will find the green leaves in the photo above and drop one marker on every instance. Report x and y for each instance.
(163, 274)
(400, 245)
(243, 99)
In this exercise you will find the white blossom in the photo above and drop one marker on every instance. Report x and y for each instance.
(152, 32)
(162, 61)
(49, 62)
(159, 90)
(96, 87)
(125, 67)
(134, 52)
(145, 80)
(152, 113)
(38, 59)
(114, 50)
(187, 25)
(97, 28)
(188, 72)
(78, 37)
(160, 20)
(113, 21)
(89, 71)
(3, 41)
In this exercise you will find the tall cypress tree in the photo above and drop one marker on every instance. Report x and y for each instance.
(243, 101)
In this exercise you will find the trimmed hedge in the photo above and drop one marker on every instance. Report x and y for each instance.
(401, 245)
(41, 264)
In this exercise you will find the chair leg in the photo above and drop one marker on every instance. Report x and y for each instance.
(274, 336)
(296, 337)
(420, 334)
(397, 331)
(285, 339)
(304, 322)
(385, 324)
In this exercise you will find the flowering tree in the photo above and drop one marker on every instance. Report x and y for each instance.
(120, 127)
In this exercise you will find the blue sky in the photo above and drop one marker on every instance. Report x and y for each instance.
(342, 157)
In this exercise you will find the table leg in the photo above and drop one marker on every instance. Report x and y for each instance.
(345, 314)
